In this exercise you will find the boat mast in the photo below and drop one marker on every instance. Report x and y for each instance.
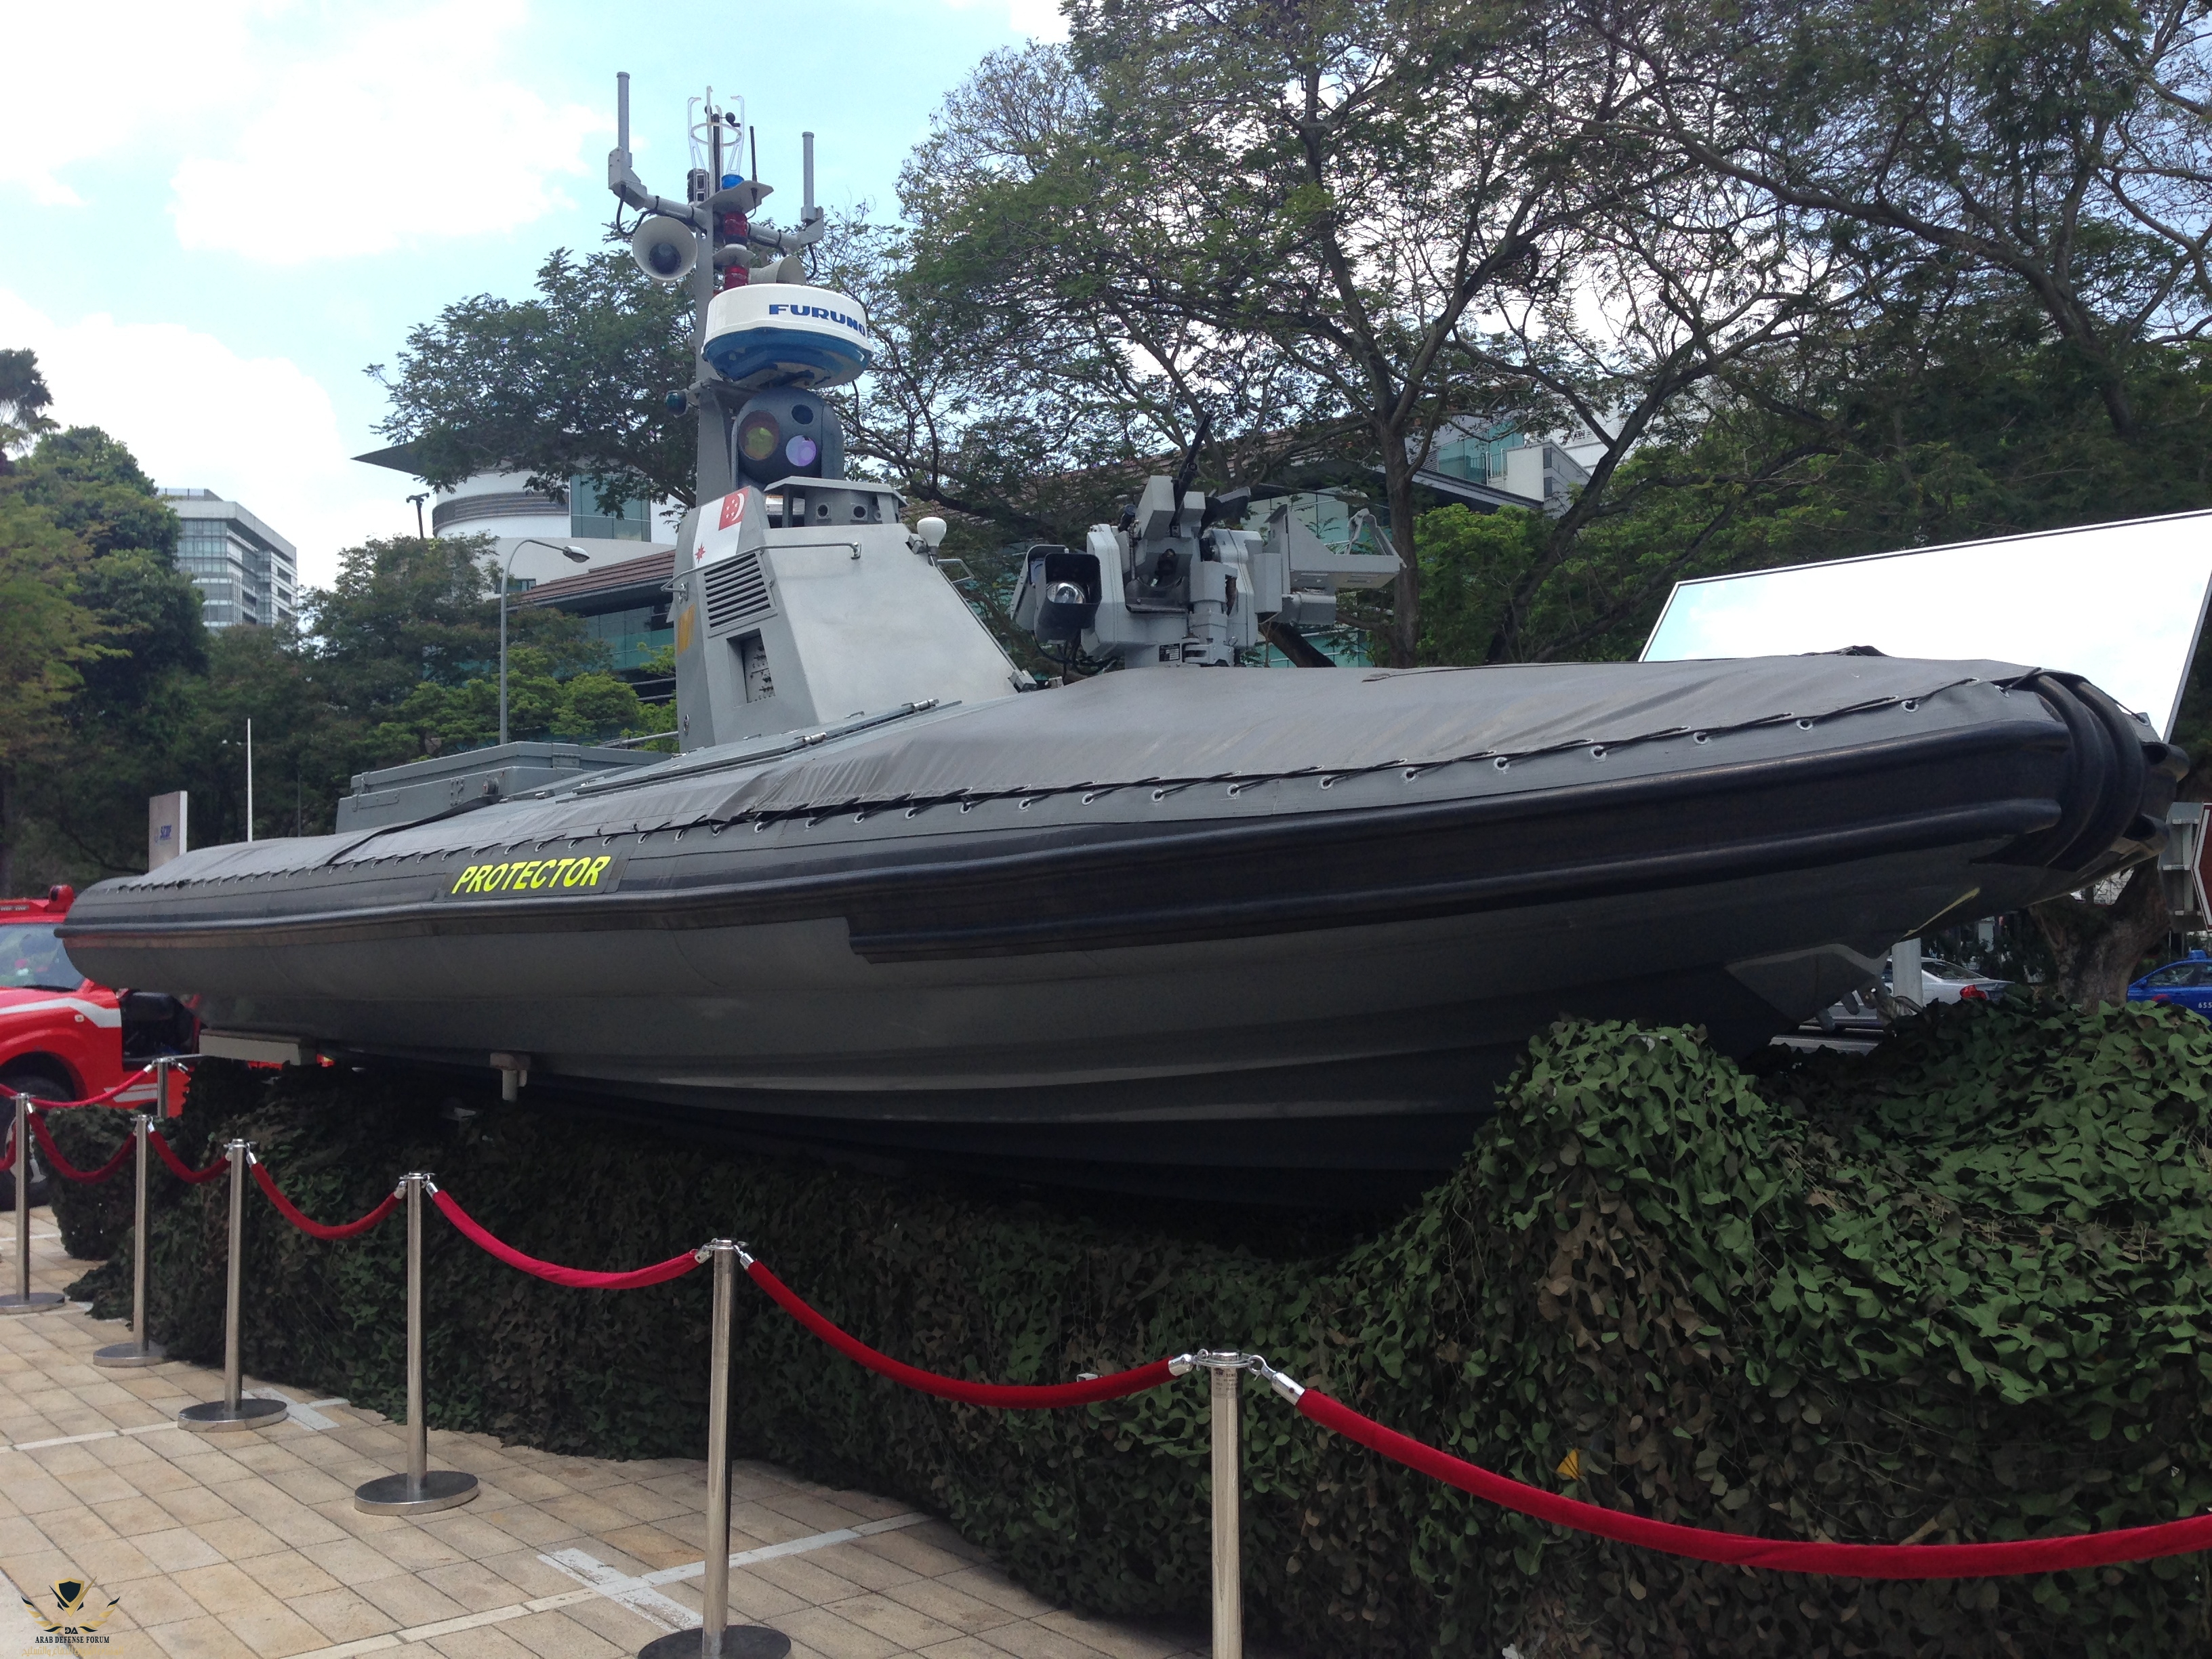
(718, 217)
(713, 479)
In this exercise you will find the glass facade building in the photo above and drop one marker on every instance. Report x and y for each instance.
(624, 607)
(1479, 457)
(244, 571)
(590, 518)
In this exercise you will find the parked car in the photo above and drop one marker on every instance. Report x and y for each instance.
(1949, 981)
(1942, 981)
(2185, 984)
(62, 1038)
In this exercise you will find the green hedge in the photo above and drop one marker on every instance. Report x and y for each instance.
(1953, 1291)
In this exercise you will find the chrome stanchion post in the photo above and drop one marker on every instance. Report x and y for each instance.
(233, 1410)
(1225, 1372)
(24, 1299)
(141, 1349)
(718, 1638)
(1223, 1384)
(715, 1607)
(421, 1489)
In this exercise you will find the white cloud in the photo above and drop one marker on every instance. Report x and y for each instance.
(92, 82)
(257, 430)
(1040, 20)
(354, 129)
(377, 144)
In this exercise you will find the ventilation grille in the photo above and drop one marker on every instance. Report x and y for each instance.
(737, 594)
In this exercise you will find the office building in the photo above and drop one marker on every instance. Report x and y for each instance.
(245, 572)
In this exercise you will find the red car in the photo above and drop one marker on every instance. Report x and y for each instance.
(62, 1038)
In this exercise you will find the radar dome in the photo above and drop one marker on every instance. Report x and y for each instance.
(787, 334)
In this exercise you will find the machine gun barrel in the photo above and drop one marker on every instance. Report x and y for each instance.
(1186, 474)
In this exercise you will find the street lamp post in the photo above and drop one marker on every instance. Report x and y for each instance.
(574, 555)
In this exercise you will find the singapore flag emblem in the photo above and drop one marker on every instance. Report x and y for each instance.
(723, 538)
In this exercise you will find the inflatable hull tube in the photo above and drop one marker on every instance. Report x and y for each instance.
(1162, 926)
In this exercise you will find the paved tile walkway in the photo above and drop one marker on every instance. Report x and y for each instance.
(247, 1545)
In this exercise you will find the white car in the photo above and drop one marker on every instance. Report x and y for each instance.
(1945, 981)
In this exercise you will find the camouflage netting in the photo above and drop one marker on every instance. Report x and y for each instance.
(1953, 1291)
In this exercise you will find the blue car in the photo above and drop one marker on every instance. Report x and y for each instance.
(2185, 984)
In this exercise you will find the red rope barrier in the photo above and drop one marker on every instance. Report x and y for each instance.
(290, 1211)
(1018, 1395)
(2094, 1549)
(103, 1096)
(177, 1165)
(63, 1166)
(576, 1278)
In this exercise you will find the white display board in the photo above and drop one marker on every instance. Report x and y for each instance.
(2120, 604)
(167, 826)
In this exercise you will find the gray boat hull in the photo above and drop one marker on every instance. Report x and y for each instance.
(919, 939)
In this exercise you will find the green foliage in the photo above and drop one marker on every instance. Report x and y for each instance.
(569, 383)
(113, 690)
(595, 705)
(48, 634)
(1967, 427)
(1469, 560)
(1955, 1291)
(24, 400)
(442, 718)
(404, 612)
(98, 620)
(92, 486)
(150, 613)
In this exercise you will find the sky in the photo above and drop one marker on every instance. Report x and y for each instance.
(213, 215)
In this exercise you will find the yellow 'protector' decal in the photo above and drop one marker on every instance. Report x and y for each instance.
(585, 873)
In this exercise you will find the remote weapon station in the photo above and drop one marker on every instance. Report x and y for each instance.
(1178, 924)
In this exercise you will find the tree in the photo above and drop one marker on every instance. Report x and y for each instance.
(1329, 187)
(305, 746)
(570, 383)
(47, 637)
(94, 487)
(112, 689)
(2066, 148)
(406, 611)
(1027, 433)
(435, 719)
(137, 628)
(2044, 169)
(1384, 219)
(1038, 416)
(24, 401)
